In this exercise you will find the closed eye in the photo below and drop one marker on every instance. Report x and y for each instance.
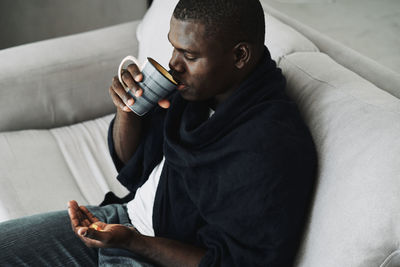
(189, 56)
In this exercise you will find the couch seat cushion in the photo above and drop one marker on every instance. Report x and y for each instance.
(43, 169)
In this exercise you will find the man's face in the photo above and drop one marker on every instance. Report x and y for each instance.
(203, 66)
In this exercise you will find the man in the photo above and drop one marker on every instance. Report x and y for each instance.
(222, 177)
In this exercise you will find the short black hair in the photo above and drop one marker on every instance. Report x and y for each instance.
(237, 20)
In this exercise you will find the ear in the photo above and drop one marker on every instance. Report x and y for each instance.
(242, 54)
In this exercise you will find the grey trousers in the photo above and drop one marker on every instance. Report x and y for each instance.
(48, 240)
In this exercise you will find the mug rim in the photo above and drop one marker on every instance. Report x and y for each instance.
(162, 70)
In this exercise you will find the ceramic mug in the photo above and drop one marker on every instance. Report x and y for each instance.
(157, 84)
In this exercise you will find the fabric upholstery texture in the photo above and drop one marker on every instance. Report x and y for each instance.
(64, 80)
(393, 260)
(153, 30)
(43, 169)
(383, 77)
(85, 151)
(356, 127)
(283, 40)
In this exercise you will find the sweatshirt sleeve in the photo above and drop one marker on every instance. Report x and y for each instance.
(147, 155)
(117, 162)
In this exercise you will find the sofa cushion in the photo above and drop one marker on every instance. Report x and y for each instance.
(62, 81)
(393, 260)
(43, 169)
(369, 69)
(283, 40)
(153, 30)
(356, 127)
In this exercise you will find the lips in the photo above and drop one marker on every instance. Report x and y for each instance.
(181, 86)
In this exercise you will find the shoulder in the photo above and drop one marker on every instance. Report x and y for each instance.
(278, 123)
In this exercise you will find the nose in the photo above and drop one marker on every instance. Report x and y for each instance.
(175, 63)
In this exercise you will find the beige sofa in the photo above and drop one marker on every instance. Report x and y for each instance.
(56, 110)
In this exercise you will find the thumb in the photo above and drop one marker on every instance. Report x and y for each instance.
(164, 103)
(93, 238)
(94, 234)
(88, 233)
(82, 231)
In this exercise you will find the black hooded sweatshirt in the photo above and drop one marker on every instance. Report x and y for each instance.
(237, 183)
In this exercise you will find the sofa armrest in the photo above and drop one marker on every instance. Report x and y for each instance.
(64, 80)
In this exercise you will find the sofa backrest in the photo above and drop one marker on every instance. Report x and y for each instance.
(356, 128)
(383, 77)
(62, 81)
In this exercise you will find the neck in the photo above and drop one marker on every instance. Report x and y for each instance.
(241, 75)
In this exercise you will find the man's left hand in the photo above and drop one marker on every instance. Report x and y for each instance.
(95, 233)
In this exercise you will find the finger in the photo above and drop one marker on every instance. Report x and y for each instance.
(82, 231)
(75, 222)
(102, 236)
(85, 235)
(86, 223)
(93, 238)
(89, 215)
(118, 101)
(128, 79)
(164, 103)
(80, 213)
(120, 90)
(73, 213)
(73, 204)
(139, 92)
(135, 72)
(131, 76)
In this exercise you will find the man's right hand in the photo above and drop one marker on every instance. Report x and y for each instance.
(127, 125)
(130, 76)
